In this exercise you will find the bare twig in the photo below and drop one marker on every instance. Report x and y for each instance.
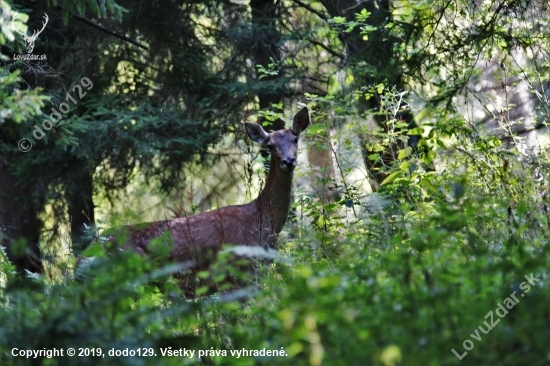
(113, 33)
(308, 7)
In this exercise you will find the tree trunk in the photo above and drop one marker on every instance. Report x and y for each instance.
(378, 52)
(266, 48)
(19, 223)
(81, 208)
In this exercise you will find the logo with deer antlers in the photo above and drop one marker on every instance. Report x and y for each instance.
(29, 40)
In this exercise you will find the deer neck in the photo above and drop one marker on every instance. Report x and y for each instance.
(274, 200)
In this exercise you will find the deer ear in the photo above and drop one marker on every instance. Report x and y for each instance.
(301, 121)
(256, 133)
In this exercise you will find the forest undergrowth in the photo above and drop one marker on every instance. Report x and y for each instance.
(429, 277)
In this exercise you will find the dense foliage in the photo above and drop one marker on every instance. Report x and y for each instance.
(404, 286)
(445, 264)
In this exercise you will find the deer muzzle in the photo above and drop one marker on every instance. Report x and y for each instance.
(288, 163)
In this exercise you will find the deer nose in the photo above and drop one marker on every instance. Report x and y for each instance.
(289, 162)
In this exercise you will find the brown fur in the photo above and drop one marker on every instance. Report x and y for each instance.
(199, 237)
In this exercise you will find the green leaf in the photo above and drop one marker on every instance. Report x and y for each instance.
(339, 20)
(94, 250)
(391, 178)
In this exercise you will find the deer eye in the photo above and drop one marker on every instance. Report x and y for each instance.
(296, 140)
(269, 146)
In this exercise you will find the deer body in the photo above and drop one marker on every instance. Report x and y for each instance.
(196, 238)
(255, 223)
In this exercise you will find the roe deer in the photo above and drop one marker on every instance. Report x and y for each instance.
(199, 237)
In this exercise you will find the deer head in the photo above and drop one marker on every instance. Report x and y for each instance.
(283, 144)
(29, 40)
